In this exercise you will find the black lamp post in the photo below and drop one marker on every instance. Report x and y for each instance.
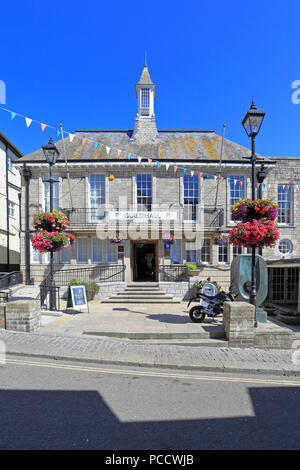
(51, 153)
(252, 123)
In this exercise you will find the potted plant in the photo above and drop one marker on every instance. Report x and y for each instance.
(168, 240)
(220, 239)
(269, 308)
(118, 238)
(91, 288)
(246, 210)
(52, 241)
(50, 221)
(192, 269)
(290, 318)
(257, 233)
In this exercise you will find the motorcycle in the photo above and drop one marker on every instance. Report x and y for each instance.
(212, 305)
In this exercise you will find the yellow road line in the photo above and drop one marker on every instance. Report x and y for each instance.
(153, 374)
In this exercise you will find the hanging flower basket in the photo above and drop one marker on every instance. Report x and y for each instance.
(220, 240)
(247, 210)
(52, 241)
(118, 238)
(50, 221)
(258, 233)
(168, 240)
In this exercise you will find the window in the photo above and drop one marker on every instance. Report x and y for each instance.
(145, 98)
(175, 252)
(82, 250)
(285, 247)
(237, 250)
(47, 195)
(65, 256)
(205, 251)
(223, 253)
(36, 256)
(11, 209)
(10, 163)
(97, 196)
(191, 196)
(97, 251)
(285, 204)
(237, 189)
(111, 252)
(190, 252)
(144, 192)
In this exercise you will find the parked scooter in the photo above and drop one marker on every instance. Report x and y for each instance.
(212, 306)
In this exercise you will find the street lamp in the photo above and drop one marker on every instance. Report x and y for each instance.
(252, 123)
(51, 153)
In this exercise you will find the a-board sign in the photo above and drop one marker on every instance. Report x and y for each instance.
(78, 295)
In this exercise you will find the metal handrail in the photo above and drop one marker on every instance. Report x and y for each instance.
(173, 272)
(11, 279)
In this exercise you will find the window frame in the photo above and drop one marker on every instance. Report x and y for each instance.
(290, 202)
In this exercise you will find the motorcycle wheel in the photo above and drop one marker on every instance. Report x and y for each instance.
(196, 314)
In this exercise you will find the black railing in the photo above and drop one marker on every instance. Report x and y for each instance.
(173, 273)
(44, 296)
(85, 216)
(103, 273)
(8, 280)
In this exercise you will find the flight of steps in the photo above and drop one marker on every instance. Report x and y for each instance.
(142, 293)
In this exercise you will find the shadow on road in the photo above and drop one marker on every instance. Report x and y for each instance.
(32, 419)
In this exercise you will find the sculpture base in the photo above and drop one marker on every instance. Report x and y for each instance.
(261, 315)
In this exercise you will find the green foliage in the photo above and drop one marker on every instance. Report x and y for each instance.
(192, 266)
(91, 288)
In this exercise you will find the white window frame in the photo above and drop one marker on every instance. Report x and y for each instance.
(290, 201)
(55, 198)
(78, 241)
(102, 250)
(111, 246)
(96, 217)
(36, 252)
(175, 250)
(146, 99)
(65, 250)
(143, 209)
(220, 247)
(11, 209)
(289, 243)
(206, 239)
(238, 178)
(194, 248)
(195, 177)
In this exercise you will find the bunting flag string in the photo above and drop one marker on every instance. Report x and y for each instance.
(85, 140)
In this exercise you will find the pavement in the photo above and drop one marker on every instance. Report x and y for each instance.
(149, 336)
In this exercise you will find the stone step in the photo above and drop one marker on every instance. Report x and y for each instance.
(138, 292)
(216, 337)
(143, 284)
(141, 301)
(134, 297)
(145, 289)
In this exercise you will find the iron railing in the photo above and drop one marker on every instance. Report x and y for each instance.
(173, 273)
(103, 273)
(8, 280)
(207, 216)
(44, 296)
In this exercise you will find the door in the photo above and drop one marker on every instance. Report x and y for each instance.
(144, 261)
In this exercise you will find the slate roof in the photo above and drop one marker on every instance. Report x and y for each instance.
(171, 145)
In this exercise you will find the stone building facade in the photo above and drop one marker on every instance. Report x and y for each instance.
(147, 183)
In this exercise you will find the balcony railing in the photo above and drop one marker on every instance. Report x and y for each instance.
(173, 273)
(208, 216)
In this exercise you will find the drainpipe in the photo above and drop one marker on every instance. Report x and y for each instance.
(27, 176)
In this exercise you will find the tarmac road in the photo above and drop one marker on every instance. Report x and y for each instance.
(48, 404)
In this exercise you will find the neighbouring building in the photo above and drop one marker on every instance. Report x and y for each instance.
(146, 183)
(10, 194)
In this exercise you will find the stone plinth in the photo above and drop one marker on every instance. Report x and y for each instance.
(23, 315)
(238, 321)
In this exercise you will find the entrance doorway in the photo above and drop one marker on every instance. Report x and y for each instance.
(144, 262)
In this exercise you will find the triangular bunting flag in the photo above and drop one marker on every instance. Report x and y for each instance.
(175, 169)
(139, 159)
(158, 164)
(96, 145)
(184, 170)
(107, 150)
(207, 176)
(119, 152)
(83, 141)
(12, 115)
(129, 155)
(28, 121)
(149, 160)
(200, 174)
(192, 173)
(222, 179)
(167, 166)
(43, 126)
(58, 133)
(71, 137)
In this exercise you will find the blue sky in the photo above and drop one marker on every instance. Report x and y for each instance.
(77, 63)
